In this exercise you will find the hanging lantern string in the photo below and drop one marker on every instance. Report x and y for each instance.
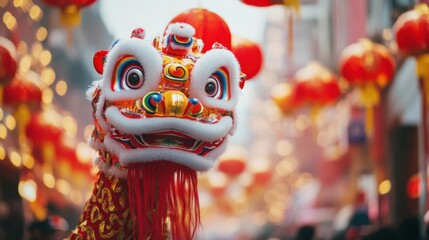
(290, 7)
(423, 74)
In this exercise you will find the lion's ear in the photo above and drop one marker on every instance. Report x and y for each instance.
(99, 59)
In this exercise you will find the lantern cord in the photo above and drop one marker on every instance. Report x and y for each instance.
(369, 121)
(69, 37)
(290, 33)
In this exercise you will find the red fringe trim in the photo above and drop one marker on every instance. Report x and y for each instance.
(163, 197)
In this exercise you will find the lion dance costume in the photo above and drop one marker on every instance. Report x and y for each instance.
(163, 111)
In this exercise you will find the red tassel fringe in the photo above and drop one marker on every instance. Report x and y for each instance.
(164, 199)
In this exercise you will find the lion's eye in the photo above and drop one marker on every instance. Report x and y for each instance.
(212, 87)
(134, 78)
(217, 85)
(128, 74)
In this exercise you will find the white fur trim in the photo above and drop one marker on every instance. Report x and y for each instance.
(121, 173)
(180, 29)
(191, 160)
(92, 88)
(149, 58)
(99, 113)
(109, 169)
(95, 144)
(197, 130)
(205, 67)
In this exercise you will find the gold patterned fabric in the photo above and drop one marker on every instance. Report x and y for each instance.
(106, 214)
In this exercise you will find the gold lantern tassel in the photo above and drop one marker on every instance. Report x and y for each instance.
(370, 97)
(294, 4)
(70, 17)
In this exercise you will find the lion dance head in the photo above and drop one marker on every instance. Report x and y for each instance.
(163, 111)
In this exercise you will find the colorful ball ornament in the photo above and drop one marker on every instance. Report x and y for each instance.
(209, 27)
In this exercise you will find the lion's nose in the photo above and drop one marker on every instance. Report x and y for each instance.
(170, 104)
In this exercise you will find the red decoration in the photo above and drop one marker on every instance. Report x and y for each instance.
(232, 166)
(8, 65)
(177, 189)
(283, 95)
(413, 186)
(262, 177)
(312, 86)
(412, 31)
(366, 62)
(412, 37)
(315, 86)
(268, 3)
(70, 10)
(209, 27)
(22, 91)
(98, 60)
(248, 54)
(369, 67)
(68, 154)
(40, 131)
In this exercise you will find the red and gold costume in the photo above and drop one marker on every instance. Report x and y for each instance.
(163, 111)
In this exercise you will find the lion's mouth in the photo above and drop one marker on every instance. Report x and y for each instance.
(171, 139)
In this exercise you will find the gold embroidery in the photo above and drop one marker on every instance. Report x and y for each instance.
(95, 214)
(106, 199)
(106, 214)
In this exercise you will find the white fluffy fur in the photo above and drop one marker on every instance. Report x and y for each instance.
(208, 64)
(197, 130)
(191, 160)
(109, 169)
(99, 113)
(149, 58)
(180, 29)
(92, 88)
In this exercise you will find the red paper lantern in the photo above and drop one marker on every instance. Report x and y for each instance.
(232, 166)
(366, 63)
(315, 86)
(267, 3)
(22, 91)
(40, 131)
(369, 67)
(70, 10)
(248, 54)
(209, 27)
(8, 65)
(283, 95)
(412, 31)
